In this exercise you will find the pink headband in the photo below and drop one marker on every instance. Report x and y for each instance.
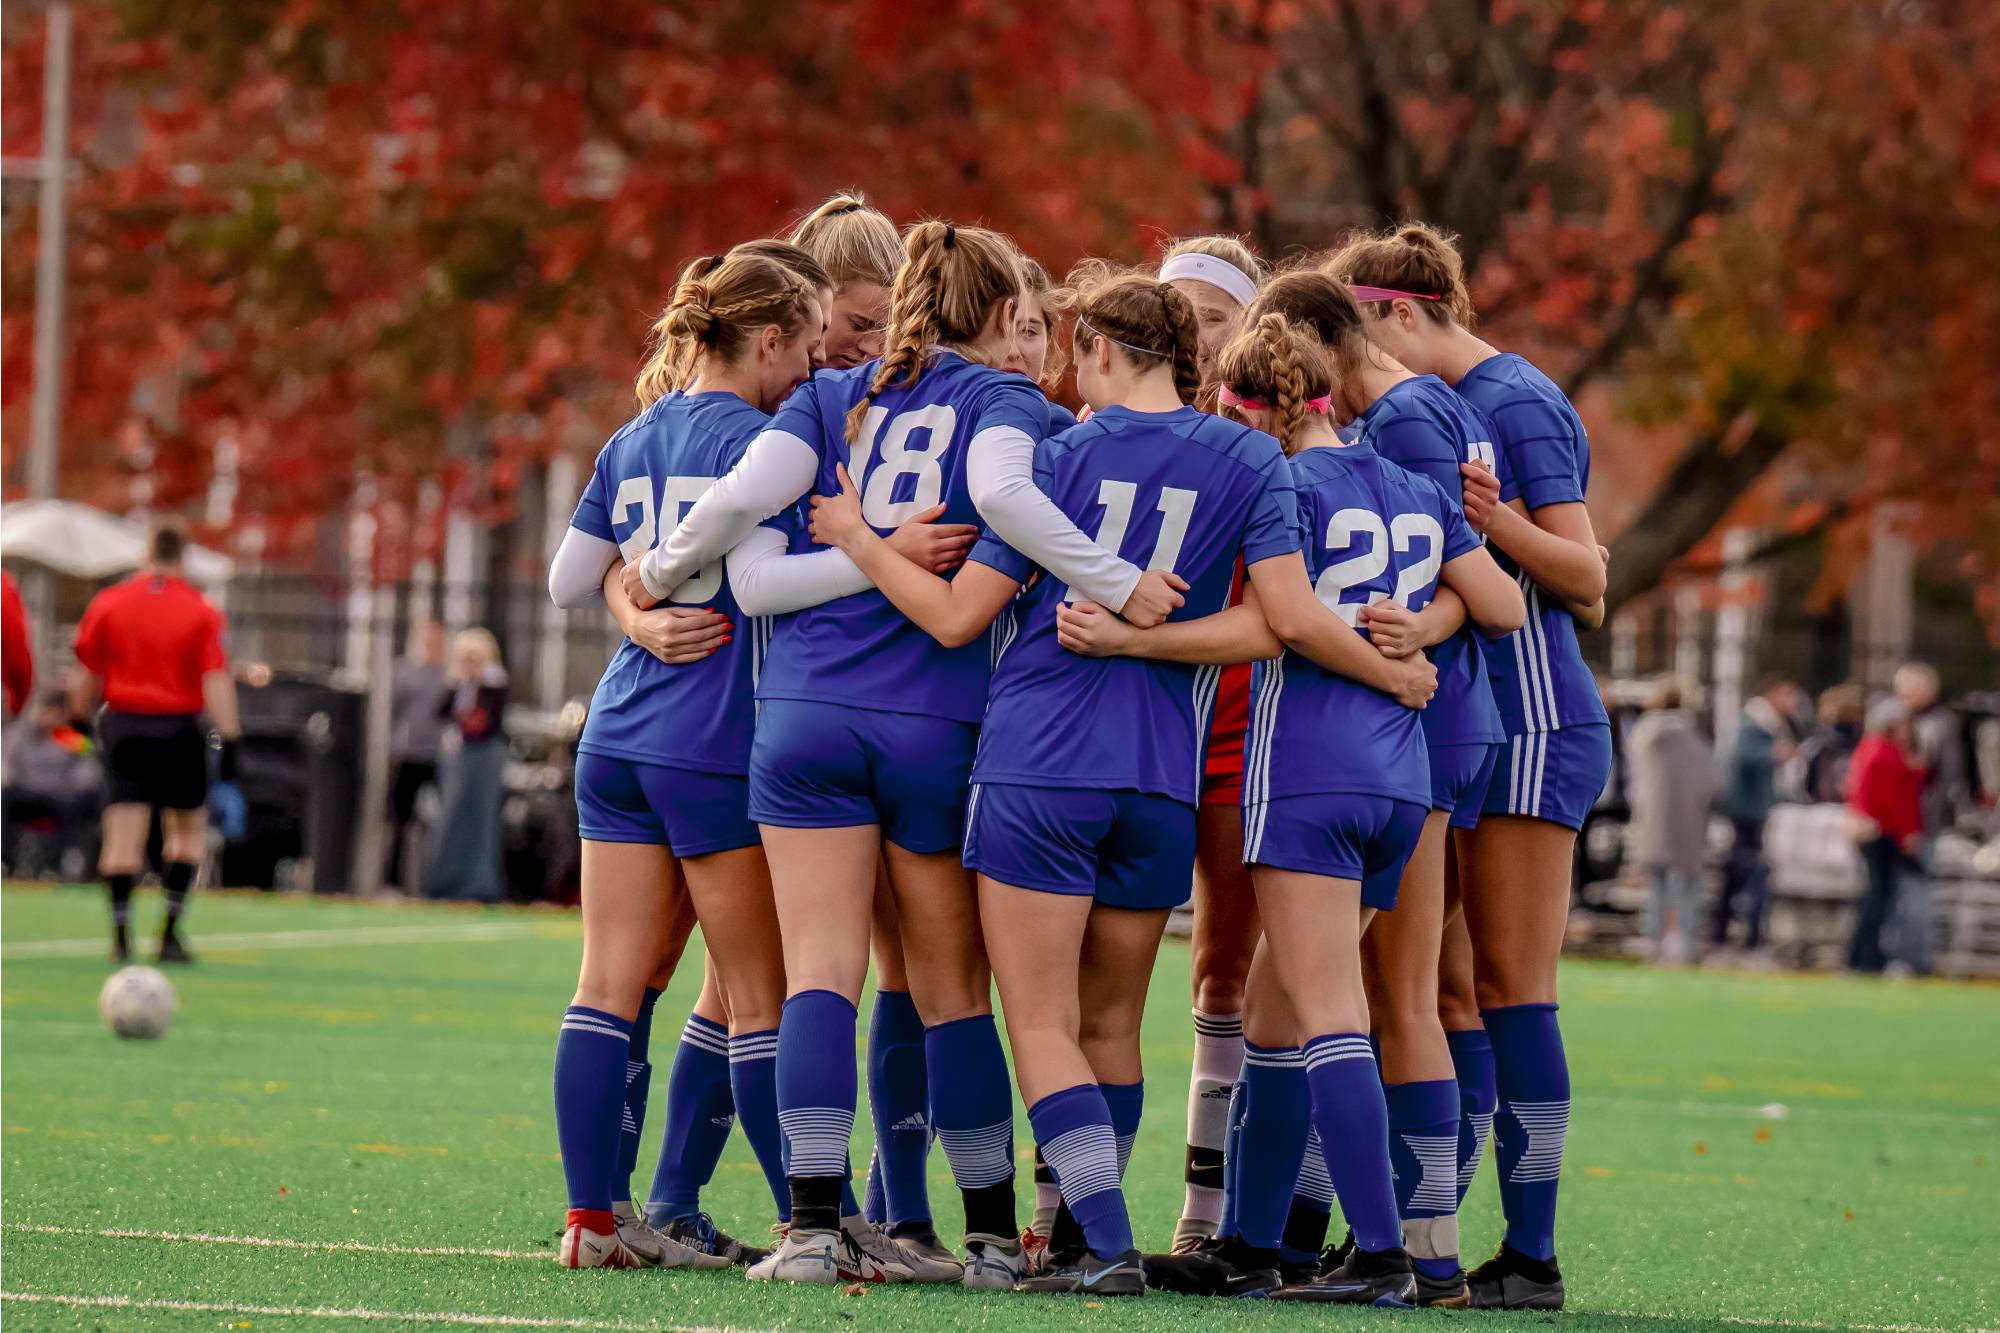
(1363, 292)
(1230, 398)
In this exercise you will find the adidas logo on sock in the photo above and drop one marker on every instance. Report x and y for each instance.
(1221, 1094)
(913, 1123)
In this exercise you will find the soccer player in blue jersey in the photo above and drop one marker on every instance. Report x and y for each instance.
(661, 789)
(865, 738)
(1516, 866)
(1082, 818)
(1419, 423)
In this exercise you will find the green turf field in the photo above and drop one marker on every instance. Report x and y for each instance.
(349, 1125)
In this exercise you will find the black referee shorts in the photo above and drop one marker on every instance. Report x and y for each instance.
(155, 759)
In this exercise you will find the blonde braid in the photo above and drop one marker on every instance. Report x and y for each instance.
(1184, 337)
(1288, 378)
(914, 319)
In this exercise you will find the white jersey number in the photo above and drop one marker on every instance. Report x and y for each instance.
(934, 426)
(681, 493)
(1399, 533)
(1176, 508)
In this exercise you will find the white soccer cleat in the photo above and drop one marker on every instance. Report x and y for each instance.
(870, 1256)
(803, 1256)
(584, 1248)
(927, 1260)
(993, 1263)
(655, 1248)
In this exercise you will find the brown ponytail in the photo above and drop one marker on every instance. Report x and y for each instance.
(951, 280)
(1412, 257)
(1147, 319)
(1280, 364)
(719, 306)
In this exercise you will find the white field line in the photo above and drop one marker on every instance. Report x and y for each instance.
(350, 1312)
(1808, 1110)
(359, 1247)
(296, 939)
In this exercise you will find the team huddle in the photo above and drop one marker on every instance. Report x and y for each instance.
(921, 667)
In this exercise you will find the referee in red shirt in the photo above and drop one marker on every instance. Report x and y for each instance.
(154, 646)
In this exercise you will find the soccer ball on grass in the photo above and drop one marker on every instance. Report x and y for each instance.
(137, 1002)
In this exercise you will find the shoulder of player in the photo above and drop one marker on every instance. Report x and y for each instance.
(1241, 445)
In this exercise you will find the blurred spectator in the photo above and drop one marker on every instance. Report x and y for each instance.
(17, 660)
(465, 856)
(416, 730)
(1765, 738)
(1824, 756)
(54, 783)
(1672, 783)
(1938, 751)
(1885, 793)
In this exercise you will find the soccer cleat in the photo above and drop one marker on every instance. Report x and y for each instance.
(1449, 1293)
(584, 1246)
(1511, 1280)
(927, 1260)
(995, 1263)
(1225, 1267)
(699, 1235)
(868, 1256)
(1190, 1232)
(658, 1248)
(173, 951)
(1092, 1276)
(805, 1256)
(1382, 1278)
(1034, 1248)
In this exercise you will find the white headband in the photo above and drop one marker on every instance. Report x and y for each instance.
(1215, 272)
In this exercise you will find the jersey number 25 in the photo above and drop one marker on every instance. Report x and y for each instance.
(679, 497)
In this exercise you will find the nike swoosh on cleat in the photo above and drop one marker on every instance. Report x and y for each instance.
(1090, 1279)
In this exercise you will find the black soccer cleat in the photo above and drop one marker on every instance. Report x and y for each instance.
(173, 951)
(1446, 1293)
(1511, 1280)
(1382, 1278)
(1225, 1267)
(701, 1233)
(1092, 1276)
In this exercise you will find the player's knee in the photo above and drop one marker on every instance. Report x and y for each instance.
(1219, 993)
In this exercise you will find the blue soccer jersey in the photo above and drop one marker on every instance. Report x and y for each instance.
(1176, 490)
(860, 651)
(1538, 674)
(1421, 425)
(647, 477)
(1371, 531)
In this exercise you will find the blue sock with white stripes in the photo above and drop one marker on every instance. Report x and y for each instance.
(1472, 1062)
(590, 1101)
(1353, 1126)
(1127, 1103)
(1532, 1078)
(1312, 1204)
(1423, 1149)
(638, 1081)
(899, 1103)
(1074, 1128)
(972, 1102)
(753, 1082)
(1232, 1159)
(1273, 1142)
(816, 1088)
(700, 1112)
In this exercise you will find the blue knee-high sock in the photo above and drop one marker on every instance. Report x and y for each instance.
(1353, 1128)
(875, 1202)
(816, 1088)
(1532, 1079)
(590, 1101)
(1472, 1062)
(898, 1102)
(1232, 1158)
(1074, 1128)
(638, 1081)
(1312, 1202)
(972, 1101)
(1423, 1148)
(753, 1083)
(700, 1111)
(1273, 1141)
(1127, 1103)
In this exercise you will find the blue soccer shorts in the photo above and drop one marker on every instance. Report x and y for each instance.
(1124, 848)
(1337, 834)
(1460, 775)
(689, 812)
(822, 765)
(1553, 775)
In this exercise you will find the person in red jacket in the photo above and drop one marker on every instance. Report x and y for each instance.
(153, 646)
(17, 660)
(1885, 789)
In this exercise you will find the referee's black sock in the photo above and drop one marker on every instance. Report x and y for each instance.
(121, 913)
(178, 877)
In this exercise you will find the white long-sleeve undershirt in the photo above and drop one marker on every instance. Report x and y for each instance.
(768, 582)
(576, 574)
(1000, 473)
(775, 470)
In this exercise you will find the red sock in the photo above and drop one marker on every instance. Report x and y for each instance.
(598, 1220)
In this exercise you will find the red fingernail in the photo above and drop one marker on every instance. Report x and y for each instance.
(728, 638)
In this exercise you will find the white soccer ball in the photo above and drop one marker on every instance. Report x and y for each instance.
(137, 1002)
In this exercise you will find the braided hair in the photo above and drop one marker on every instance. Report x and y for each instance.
(1277, 362)
(718, 306)
(1151, 323)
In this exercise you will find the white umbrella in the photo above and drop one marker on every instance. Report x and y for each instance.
(85, 542)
